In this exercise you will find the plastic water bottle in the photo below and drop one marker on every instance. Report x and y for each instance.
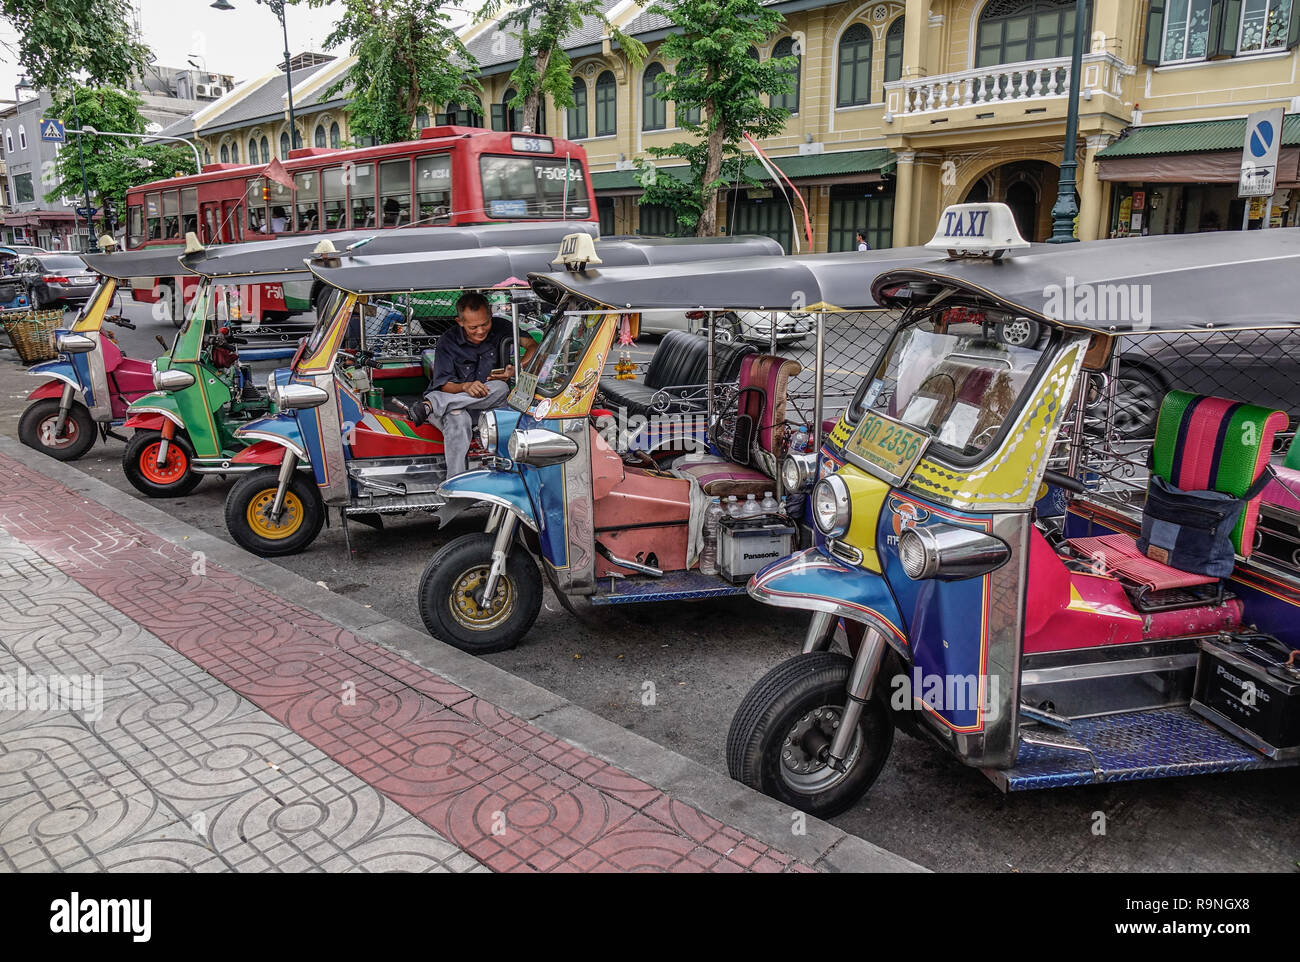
(709, 553)
(769, 505)
(733, 507)
(800, 441)
(751, 507)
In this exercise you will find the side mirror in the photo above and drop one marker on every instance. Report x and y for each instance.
(74, 344)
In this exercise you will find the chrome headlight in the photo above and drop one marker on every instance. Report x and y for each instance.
(540, 447)
(950, 553)
(270, 385)
(74, 344)
(831, 506)
(487, 431)
(172, 380)
(297, 396)
(797, 471)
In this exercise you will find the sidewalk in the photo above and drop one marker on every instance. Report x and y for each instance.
(255, 722)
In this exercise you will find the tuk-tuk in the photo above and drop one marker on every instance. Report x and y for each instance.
(1001, 566)
(608, 523)
(343, 437)
(88, 387)
(13, 293)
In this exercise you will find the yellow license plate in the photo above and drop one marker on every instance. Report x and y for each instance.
(892, 447)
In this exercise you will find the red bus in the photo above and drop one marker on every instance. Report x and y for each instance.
(451, 175)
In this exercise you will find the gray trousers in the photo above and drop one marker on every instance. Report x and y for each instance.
(456, 414)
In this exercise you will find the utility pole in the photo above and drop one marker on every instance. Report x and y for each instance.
(1066, 210)
(85, 189)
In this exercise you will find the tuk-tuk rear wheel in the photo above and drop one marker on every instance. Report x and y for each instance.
(784, 725)
(451, 605)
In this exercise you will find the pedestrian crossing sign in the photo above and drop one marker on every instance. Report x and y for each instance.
(52, 130)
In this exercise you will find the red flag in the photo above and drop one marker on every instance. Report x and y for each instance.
(275, 171)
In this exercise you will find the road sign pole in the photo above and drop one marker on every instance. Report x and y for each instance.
(85, 188)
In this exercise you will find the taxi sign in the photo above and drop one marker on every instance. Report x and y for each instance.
(576, 252)
(977, 230)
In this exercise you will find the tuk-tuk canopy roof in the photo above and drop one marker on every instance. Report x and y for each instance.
(286, 256)
(800, 282)
(150, 262)
(477, 269)
(1187, 282)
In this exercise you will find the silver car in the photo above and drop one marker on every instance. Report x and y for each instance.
(753, 326)
(56, 279)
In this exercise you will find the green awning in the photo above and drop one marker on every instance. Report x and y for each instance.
(798, 167)
(1194, 137)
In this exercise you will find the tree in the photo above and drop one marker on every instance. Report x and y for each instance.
(544, 67)
(60, 38)
(407, 55)
(715, 74)
(112, 164)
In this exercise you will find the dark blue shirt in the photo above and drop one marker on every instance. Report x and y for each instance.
(457, 360)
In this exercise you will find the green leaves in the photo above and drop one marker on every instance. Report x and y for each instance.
(58, 39)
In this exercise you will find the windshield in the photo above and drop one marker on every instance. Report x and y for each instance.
(63, 263)
(957, 382)
(532, 187)
(324, 321)
(561, 351)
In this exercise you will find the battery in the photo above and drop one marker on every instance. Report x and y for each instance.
(1249, 684)
(747, 544)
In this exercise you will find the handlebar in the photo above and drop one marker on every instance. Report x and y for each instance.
(120, 321)
(1065, 481)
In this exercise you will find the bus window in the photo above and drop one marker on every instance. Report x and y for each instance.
(395, 192)
(532, 187)
(189, 210)
(280, 205)
(307, 200)
(334, 204)
(433, 188)
(134, 225)
(363, 195)
(153, 216)
(256, 206)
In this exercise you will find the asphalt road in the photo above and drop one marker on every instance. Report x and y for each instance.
(701, 657)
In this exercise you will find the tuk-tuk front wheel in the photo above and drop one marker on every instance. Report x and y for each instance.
(171, 479)
(451, 596)
(36, 429)
(784, 726)
(251, 523)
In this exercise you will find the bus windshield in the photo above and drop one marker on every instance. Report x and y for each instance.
(516, 187)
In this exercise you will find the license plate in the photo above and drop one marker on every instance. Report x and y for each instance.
(890, 447)
(83, 280)
(522, 396)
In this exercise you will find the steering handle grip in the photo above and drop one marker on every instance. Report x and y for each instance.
(1065, 481)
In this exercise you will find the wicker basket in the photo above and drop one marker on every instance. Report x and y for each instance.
(32, 334)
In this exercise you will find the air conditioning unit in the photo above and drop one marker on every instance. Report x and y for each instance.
(201, 90)
(217, 91)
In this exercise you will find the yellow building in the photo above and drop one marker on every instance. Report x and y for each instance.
(903, 107)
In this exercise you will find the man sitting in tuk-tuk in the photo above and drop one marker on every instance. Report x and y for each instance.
(466, 376)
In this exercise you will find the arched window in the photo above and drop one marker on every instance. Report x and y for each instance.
(9, 140)
(225, 154)
(606, 105)
(894, 51)
(687, 115)
(320, 135)
(1012, 31)
(335, 139)
(22, 137)
(252, 150)
(266, 151)
(207, 156)
(577, 119)
(284, 145)
(785, 48)
(511, 117)
(855, 67)
(234, 152)
(421, 118)
(297, 138)
(654, 112)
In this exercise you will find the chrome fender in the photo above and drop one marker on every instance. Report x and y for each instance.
(495, 487)
(280, 429)
(812, 580)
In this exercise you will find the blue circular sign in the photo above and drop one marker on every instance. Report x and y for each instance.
(1261, 139)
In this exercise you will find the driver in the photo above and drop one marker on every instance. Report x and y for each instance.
(466, 379)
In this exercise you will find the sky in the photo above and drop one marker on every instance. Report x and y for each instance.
(245, 42)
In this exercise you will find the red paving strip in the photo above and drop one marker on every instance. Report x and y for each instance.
(511, 795)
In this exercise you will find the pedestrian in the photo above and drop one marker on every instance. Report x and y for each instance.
(862, 239)
(466, 378)
(279, 220)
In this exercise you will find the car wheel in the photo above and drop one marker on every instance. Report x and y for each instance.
(249, 521)
(450, 599)
(727, 328)
(1138, 394)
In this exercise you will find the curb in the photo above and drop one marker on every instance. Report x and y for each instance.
(823, 846)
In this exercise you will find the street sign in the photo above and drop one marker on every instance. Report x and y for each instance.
(87, 212)
(52, 131)
(1260, 154)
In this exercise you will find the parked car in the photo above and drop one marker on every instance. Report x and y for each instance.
(56, 278)
(755, 326)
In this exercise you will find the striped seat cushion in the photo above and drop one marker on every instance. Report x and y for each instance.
(721, 478)
(1214, 444)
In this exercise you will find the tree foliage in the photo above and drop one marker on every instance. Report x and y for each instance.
(715, 73)
(58, 39)
(112, 164)
(407, 55)
(544, 67)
